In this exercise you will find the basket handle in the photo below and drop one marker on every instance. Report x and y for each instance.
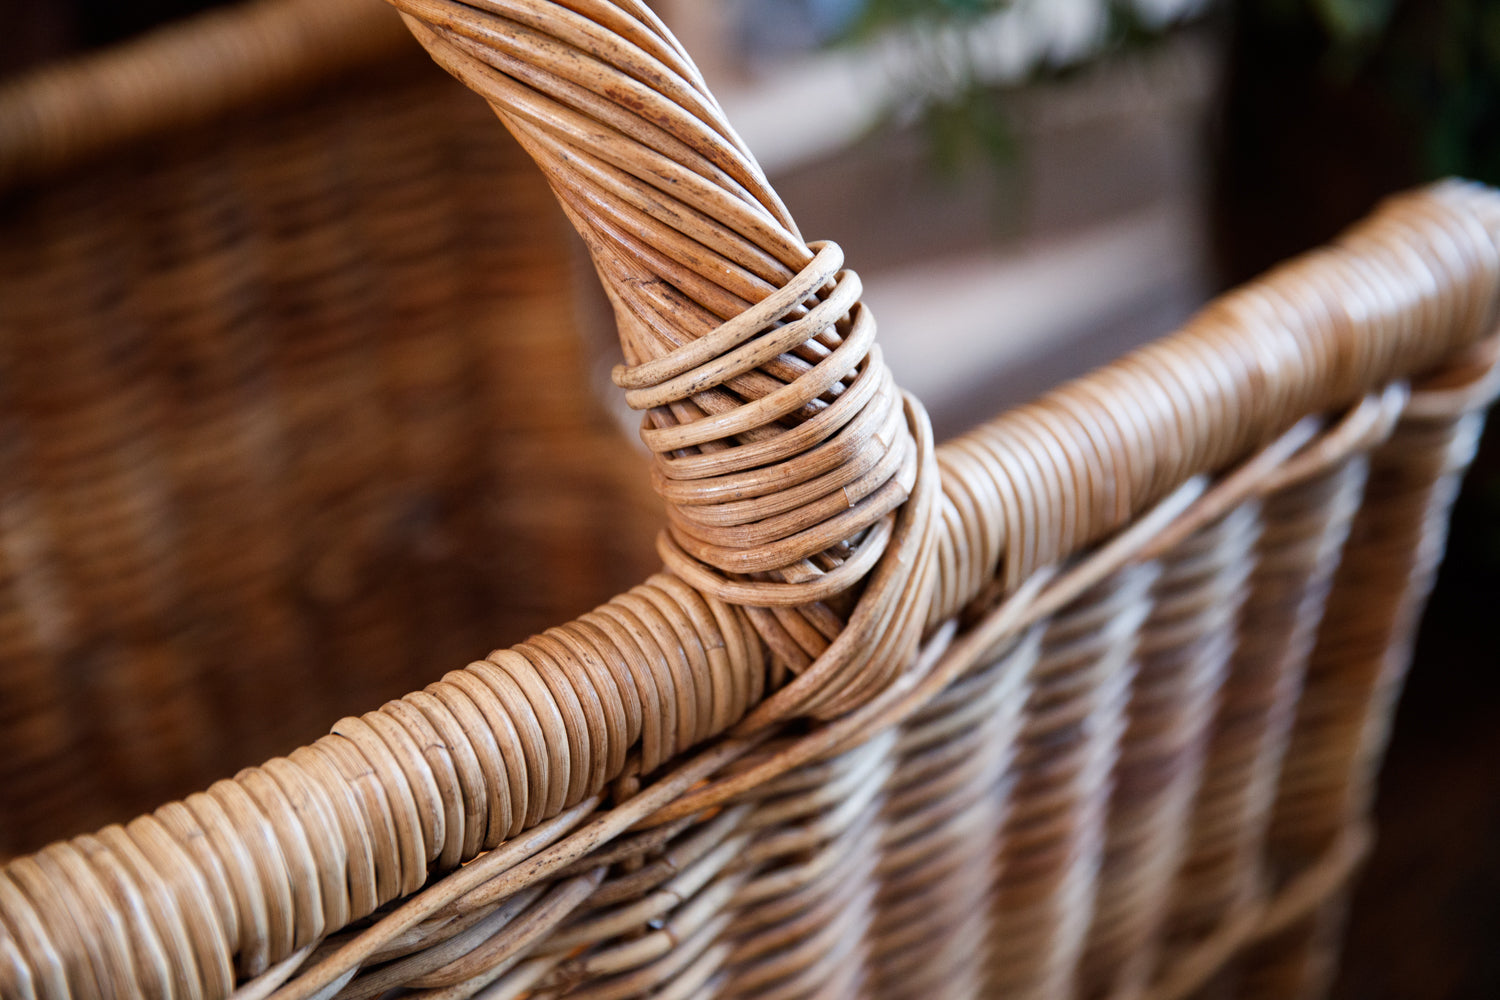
(781, 446)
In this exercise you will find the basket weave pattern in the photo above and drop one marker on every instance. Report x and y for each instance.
(1086, 702)
(293, 421)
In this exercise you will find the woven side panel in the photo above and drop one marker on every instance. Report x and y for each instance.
(946, 805)
(1184, 651)
(800, 926)
(1222, 872)
(1052, 845)
(1362, 652)
(294, 421)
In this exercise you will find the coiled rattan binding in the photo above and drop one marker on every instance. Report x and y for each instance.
(1086, 702)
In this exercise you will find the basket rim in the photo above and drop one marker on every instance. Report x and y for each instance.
(183, 75)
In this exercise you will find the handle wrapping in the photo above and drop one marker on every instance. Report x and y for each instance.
(781, 445)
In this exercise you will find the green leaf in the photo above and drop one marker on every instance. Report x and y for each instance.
(1348, 21)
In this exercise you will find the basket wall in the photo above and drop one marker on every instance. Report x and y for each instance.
(293, 417)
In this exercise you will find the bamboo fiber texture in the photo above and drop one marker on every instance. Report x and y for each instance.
(1094, 714)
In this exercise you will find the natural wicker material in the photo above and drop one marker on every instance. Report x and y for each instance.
(1099, 719)
(294, 414)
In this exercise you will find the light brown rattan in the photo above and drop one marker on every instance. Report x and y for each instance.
(294, 411)
(1098, 719)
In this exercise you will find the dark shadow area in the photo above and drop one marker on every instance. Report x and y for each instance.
(1315, 129)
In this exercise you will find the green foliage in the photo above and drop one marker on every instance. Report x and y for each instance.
(1353, 21)
(965, 123)
(1435, 62)
(967, 129)
(881, 14)
(1459, 94)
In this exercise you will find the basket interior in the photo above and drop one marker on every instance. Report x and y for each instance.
(294, 418)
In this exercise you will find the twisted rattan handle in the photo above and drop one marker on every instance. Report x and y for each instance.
(780, 444)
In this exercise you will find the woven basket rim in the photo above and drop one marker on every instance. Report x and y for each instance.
(210, 65)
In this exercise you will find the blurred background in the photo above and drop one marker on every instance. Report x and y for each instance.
(1068, 178)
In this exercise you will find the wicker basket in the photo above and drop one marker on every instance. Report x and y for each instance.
(1086, 702)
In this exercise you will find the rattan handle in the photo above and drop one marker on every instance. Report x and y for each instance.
(780, 444)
